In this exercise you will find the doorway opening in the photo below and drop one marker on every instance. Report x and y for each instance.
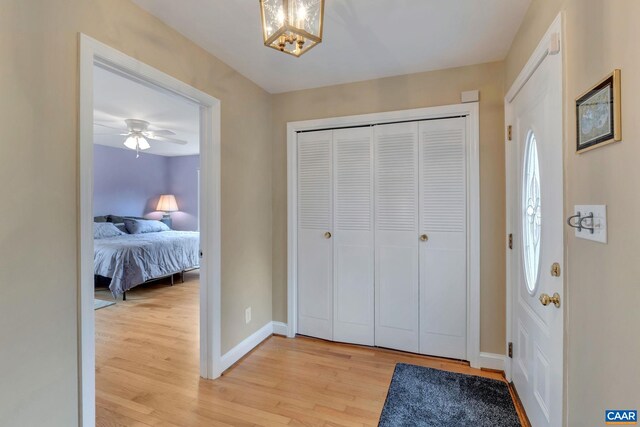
(149, 209)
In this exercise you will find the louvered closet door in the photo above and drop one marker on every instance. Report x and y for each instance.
(396, 238)
(315, 255)
(443, 218)
(353, 237)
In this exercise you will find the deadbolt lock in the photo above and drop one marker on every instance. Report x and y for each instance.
(555, 270)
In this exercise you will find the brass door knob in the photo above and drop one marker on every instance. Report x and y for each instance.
(424, 237)
(545, 299)
(327, 235)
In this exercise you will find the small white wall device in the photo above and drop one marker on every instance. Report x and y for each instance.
(590, 222)
(470, 96)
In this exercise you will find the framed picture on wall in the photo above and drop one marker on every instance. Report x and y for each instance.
(598, 114)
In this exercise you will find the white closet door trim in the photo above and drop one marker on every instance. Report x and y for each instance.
(471, 110)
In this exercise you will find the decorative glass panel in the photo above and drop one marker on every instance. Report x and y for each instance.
(292, 26)
(532, 217)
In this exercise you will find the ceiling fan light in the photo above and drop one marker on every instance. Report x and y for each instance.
(292, 26)
(143, 144)
(131, 142)
(137, 142)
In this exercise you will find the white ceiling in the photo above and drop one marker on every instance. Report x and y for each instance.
(363, 39)
(117, 98)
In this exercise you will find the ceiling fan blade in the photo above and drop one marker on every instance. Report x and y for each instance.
(161, 132)
(171, 140)
(120, 129)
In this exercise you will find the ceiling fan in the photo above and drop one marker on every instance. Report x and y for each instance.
(138, 135)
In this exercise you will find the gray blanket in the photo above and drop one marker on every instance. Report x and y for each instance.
(132, 259)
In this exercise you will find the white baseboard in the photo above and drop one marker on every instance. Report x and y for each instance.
(485, 360)
(280, 328)
(491, 361)
(249, 343)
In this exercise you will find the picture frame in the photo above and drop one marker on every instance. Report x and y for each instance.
(598, 114)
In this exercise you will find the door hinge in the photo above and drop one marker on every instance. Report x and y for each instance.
(510, 350)
(510, 240)
(509, 132)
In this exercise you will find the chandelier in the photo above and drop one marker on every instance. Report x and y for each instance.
(292, 26)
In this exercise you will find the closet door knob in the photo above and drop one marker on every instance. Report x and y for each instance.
(424, 237)
(327, 235)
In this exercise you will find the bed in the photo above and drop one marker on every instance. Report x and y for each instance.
(128, 260)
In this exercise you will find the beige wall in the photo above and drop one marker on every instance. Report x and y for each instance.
(38, 118)
(399, 93)
(39, 154)
(603, 281)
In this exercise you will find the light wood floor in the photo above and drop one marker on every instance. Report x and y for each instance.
(147, 371)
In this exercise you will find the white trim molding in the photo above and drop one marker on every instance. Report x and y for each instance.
(491, 361)
(550, 44)
(231, 357)
(93, 53)
(280, 328)
(471, 111)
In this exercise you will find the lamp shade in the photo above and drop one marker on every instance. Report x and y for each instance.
(167, 203)
(292, 26)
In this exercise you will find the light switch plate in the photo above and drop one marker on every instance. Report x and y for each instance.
(599, 222)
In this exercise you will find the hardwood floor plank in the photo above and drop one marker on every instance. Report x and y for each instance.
(147, 371)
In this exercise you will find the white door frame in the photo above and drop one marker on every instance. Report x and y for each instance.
(93, 52)
(471, 110)
(549, 44)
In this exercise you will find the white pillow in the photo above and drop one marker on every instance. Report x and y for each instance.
(103, 230)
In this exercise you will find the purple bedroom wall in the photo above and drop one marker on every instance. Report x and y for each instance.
(124, 185)
(183, 183)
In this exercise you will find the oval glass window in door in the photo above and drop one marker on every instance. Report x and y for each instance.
(531, 218)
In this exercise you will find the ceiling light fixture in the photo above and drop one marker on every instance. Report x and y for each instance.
(137, 142)
(292, 26)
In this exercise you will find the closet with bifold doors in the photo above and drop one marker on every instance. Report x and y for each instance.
(382, 236)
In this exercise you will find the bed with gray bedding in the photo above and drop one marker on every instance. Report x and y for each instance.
(132, 259)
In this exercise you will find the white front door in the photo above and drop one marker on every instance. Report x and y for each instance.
(536, 207)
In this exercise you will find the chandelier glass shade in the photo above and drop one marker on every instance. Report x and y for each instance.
(292, 26)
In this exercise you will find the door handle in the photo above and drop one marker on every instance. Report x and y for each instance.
(424, 237)
(545, 299)
(327, 235)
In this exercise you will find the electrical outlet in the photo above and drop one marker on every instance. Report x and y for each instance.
(247, 315)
